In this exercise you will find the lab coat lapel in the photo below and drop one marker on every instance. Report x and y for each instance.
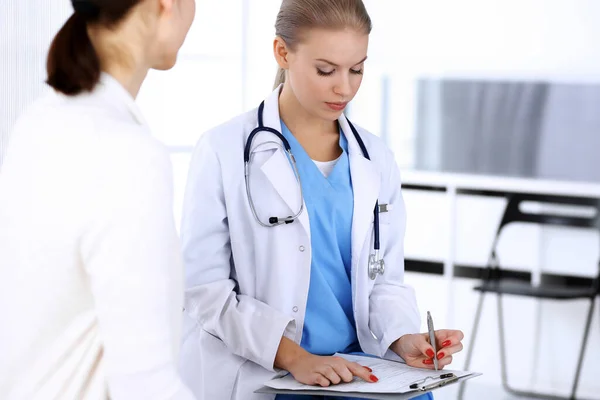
(366, 183)
(277, 168)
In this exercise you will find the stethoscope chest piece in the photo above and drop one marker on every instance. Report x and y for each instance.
(376, 265)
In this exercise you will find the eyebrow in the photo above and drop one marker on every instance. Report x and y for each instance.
(335, 65)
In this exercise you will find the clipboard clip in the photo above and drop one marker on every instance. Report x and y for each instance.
(444, 380)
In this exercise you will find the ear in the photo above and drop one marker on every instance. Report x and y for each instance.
(281, 52)
(166, 6)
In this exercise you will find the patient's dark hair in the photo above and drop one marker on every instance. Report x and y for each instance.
(73, 65)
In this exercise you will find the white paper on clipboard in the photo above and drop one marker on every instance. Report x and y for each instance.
(394, 377)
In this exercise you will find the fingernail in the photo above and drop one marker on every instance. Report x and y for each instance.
(441, 355)
(430, 353)
(427, 361)
(446, 343)
(369, 369)
(373, 378)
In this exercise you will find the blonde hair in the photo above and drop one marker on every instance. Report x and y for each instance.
(296, 16)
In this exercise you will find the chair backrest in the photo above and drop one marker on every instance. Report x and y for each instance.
(514, 213)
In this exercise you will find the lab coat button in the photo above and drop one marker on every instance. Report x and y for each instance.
(295, 309)
(301, 248)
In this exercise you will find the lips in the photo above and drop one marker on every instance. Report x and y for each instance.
(337, 106)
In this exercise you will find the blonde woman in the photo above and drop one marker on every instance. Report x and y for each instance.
(282, 253)
(91, 281)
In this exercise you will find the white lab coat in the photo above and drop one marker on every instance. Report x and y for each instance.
(247, 285)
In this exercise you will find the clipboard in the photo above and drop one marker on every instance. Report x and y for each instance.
(442, 380)
(435, 385)
(422, 389)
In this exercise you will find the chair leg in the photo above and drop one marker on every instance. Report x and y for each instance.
(583, 346)
(461, 390)
(503, 357)
(502, 344)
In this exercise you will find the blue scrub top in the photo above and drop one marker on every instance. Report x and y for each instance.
(329, 325)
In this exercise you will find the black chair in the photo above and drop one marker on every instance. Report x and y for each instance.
(495, 281)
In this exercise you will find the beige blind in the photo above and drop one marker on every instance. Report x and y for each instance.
(26, 31)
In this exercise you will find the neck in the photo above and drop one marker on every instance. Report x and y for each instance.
(130, 78)
(123, 59)
(318, 137)
(298, 120)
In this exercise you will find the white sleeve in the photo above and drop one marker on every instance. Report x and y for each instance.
(249, 328)
(393, 304)
(130, 253)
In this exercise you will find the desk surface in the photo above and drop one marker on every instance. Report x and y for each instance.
(500, 183)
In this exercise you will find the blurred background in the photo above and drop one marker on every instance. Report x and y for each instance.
(502, 95)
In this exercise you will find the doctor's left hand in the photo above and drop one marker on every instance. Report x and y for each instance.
(416, 350)
(312, 369)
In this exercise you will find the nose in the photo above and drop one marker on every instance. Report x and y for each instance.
(342, 87)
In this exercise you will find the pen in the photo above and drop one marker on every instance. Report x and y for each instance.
(443, 376)
(432, 339)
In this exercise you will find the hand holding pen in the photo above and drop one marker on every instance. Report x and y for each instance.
(417, 349)
(431, 333)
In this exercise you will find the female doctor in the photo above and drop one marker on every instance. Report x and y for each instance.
(277, 250)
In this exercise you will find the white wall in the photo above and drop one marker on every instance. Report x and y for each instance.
(536, 38)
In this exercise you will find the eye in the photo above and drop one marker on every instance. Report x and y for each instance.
(357, 71)
(323, 73)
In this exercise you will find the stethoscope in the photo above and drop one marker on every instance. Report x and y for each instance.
(376, 264)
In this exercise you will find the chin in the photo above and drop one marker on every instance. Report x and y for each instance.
(166, 64)
(331, 115)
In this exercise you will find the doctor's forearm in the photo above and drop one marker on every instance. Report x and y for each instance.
(288, 353)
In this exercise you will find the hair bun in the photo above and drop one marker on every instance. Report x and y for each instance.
(86, 8)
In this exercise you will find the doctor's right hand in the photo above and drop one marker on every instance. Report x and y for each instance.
(311, 369)
(417, 352)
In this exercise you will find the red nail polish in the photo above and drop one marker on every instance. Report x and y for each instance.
(369, 369)
(430, 353)
(440, 355)
(427, 361)
(373, 378)
(446, 343)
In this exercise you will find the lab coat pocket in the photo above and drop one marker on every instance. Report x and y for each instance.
(384, 239)
(220, 364)
(236, 383)
(386, 213)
